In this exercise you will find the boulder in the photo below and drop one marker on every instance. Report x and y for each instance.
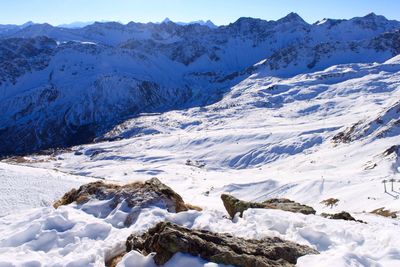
(166, 239)
(234, 205)
(136, 195)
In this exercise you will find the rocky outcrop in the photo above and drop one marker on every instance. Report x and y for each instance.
(166, 239)
(136, 195)
(234, 205)
(386, 124)
(19, 56)
(341, 216)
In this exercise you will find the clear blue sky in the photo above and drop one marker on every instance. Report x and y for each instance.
(219, 11)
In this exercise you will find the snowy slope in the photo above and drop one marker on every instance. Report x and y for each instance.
(26, 187)
(268, 137)
(76, 84)
(70, 237)
(289, 126)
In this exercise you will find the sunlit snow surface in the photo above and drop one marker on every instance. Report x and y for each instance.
(268, 137)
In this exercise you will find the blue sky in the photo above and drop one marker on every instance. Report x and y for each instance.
(219, 11)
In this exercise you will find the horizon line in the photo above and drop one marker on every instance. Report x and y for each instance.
(90, 22)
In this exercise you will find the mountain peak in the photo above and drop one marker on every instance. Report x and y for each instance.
(166, 20)
(372, 21)
(292, 17)
(28, 23)
(373, 16)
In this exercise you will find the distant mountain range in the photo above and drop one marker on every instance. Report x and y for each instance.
(80, 24)
(77, 24)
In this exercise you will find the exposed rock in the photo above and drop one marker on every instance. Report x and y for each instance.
(166, 239)
(21, 55)
(113, 262)
(341, 216)
(385, 213)
(346, 135)
(195, 163)
(386, 124)
(288, 205)
(234, 205)
(136, 195)
(330, 202)
(395, 149)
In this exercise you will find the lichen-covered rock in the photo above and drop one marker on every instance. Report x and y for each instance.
(288, 205)
(136, 196)
(166, 239)
(234, 205)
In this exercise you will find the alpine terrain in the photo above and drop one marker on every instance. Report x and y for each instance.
(258, 143)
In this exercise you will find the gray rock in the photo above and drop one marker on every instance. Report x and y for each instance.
(234, 205)
(341, 216)
(166, 239)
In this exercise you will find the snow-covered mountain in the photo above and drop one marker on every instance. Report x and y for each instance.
(61, 87)
(9, 29)
(267, 137)
(255, 109)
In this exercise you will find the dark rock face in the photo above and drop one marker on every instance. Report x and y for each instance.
(60, 121)
(234, 205)
(166, 239)
(19, 56)
(395, 149)
(136, 195)
(340, 216)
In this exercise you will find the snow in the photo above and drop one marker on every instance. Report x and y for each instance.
(135, 259)
(26, 187)
(290, 154)
(70, 236)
